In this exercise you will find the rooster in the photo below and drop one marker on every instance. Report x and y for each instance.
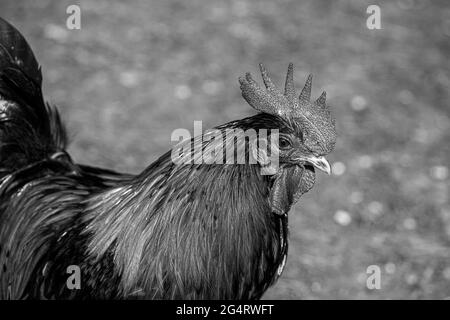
(174, 231)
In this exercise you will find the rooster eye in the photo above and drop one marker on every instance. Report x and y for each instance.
(284, 143)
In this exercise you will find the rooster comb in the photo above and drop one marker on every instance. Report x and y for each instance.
(314, 117)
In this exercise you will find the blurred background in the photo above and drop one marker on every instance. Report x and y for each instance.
(137, 70)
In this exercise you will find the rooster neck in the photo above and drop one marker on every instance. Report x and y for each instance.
(190, 231)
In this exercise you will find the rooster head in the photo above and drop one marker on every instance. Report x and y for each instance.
(309, 132)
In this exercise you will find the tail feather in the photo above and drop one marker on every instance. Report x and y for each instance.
(30, 130)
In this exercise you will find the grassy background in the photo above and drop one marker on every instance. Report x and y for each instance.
(138, 70)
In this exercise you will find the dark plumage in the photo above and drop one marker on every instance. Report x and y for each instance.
(191, 231)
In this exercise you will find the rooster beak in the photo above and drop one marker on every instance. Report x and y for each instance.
(320, 163)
